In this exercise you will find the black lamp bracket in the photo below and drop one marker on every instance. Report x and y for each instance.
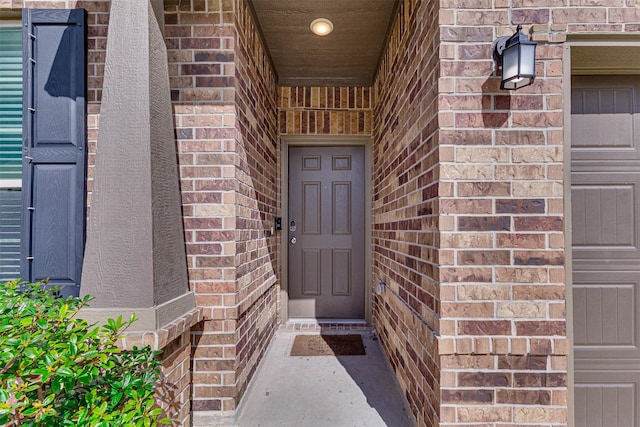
(500, 44)
(498, 47)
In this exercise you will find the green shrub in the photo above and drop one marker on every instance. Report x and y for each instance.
(57, 370)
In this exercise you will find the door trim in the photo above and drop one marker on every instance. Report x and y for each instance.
(589, 40)
(568, 252)
(314, 141)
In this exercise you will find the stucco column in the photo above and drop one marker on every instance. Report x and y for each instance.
(135, 255)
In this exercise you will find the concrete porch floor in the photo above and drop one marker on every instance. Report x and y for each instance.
(322, 391)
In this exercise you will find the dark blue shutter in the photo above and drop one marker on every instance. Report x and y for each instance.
(54, 147)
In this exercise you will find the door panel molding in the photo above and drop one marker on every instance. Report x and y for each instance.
(311, 218)
(311, 258)
(322, 140)
(341, 283)
(341, 207)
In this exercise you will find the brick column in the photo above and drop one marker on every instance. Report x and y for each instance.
(503, 344)
(223, 92)
(200, 37)
(469, 219)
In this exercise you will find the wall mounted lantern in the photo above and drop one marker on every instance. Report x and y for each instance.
(518, 57)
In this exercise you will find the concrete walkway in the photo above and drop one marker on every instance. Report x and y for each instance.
(324, 391)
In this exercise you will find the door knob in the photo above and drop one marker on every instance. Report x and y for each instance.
(293, 240)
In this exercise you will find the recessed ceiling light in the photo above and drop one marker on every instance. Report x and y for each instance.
(321, 26)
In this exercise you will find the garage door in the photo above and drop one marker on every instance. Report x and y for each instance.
(605, 192)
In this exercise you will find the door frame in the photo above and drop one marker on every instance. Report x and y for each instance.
(322, 141)
(587, 40)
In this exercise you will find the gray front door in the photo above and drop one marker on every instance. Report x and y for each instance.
(605, 193)
(326, 232)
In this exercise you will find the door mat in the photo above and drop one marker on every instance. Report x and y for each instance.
(328, 345)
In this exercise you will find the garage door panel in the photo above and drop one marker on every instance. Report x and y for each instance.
(603, 121)
(605, 209)
(606, 404)
(606, 313)
(611, 207)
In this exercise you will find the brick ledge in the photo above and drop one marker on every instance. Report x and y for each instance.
(160, 338)
(313, 325)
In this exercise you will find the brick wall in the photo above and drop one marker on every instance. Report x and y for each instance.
(224, 94)
(200, 38)
(405, 208)
(98, 22)
(503, 339)
(505, 308)
(325, 110)
(173, 392)
(469, 236)
(257, 174)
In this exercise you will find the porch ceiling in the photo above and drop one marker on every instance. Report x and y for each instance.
(347, 57)
(605, 59)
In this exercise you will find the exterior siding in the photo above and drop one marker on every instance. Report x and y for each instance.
(174, 393)
(468, 194)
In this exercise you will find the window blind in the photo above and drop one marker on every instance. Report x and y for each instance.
(10, 105)
(10, 150)
(10, 205)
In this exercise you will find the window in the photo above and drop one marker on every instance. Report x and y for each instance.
(10, 149)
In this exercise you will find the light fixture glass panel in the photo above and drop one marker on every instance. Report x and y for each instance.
(510, 63)
(528, 59)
